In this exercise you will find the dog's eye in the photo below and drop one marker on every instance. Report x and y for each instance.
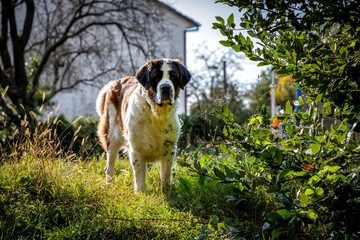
(156, 76)
(173, 75)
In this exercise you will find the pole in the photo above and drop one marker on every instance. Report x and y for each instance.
(272, 96)
(225, 81)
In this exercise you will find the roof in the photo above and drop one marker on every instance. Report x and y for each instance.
(190, 20)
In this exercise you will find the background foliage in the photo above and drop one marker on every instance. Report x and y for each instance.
(315, 42)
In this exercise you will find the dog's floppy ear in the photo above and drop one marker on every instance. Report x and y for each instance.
(143, 75)
(184, 75)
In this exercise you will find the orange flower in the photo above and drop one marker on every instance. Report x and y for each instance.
(307, 167)
(275, 123)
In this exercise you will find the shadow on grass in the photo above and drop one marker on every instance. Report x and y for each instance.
(220, 208)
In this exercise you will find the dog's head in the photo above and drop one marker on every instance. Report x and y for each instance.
(163, 79)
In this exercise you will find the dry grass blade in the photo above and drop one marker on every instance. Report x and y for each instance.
(76, 120)
(5, 91)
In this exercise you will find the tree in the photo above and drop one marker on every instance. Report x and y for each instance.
(217, 79)
(50, 46)
(317, 42)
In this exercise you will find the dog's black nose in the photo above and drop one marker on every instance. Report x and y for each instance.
(165, 88)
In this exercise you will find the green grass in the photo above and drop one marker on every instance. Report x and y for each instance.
(60, 199)
(63, 199)
(47, 192)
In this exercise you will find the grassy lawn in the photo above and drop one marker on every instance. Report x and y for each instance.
(44, 198)
(62, 199)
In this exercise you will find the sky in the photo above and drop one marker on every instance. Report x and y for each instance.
(204, 12)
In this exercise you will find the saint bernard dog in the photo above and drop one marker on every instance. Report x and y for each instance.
(138, 115)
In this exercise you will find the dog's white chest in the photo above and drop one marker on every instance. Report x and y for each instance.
(154, 138)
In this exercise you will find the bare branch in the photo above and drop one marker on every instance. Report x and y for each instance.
(84, 80)
(27, 28)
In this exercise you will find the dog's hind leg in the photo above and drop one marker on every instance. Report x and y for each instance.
(112, 154)
(114, 141)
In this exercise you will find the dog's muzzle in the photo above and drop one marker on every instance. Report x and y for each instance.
(165, 90)
(165, 94)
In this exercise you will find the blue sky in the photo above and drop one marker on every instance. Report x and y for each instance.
(204, 12)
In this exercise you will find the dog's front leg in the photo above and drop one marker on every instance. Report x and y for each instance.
(165, 173)
(139, 169)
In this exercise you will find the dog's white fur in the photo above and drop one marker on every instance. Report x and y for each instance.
(142, 120)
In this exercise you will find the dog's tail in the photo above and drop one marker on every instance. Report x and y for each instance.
(101, 109)
(100, 101)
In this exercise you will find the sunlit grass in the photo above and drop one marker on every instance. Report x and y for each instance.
(61, 199)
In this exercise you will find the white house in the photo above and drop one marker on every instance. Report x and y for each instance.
(170, 43)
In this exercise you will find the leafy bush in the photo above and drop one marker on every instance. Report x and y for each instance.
(312, 172)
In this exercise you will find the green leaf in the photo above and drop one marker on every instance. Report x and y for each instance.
(262, 64)
(312, 215)
(301, 101)
(285, 214)
(252, 34)
(220, 20)
(320, 138)
(183, 163)
(274, 217)
(219, 174)
(309, 192)
(333, 47)
(236, 47)
(304, 199)
(226, 43)
(332, 169)
(230, 20)
(315, 148)
(284, 173)
(218, 26)
(301, 174)
(288, 108)
(342, 68)
(275, 234)
(327, 108)
(357, 150)
(320, 191)
(283, 72)
(221, 227)
(314, 180)
(319, 98)
(229, 173)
